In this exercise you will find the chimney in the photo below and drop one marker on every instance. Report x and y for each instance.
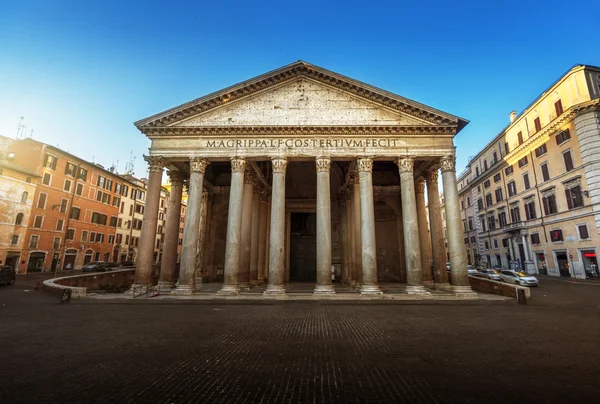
(513, 116)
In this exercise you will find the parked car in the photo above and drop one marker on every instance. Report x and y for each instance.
(94, 266)
(7, 275)
(127, 264)
(518, 278)
(492, 274)
(111, 266)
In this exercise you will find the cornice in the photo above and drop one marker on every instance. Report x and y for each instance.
(341, 131)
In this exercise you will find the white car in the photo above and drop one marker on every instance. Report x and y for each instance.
(518, 278)
(472, 271)
(492, 274)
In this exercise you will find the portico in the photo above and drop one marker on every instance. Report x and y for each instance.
(307, 170)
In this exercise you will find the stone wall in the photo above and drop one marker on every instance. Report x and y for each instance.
(114, 281)
(483, 285)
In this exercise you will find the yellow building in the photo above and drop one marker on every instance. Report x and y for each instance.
(532, 193)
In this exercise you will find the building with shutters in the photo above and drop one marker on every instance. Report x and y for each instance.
(531, 199)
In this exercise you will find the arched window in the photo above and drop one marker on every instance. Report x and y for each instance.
(19, 219)
(24, 197)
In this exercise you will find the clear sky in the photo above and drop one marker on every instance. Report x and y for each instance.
(81, 72)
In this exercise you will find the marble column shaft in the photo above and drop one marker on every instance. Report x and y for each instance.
(368, 284)
(262, 236)
(343, 239)
(456, 246)
(424, 243)
(168, 268)
(412, 245)
(234, 229)
(202, 233)
(247, 199)
(254, 239)
(189, 252)
(438, 247)
(277, 236)
(350, 237)
(324, 285)
(145, 255)
(357, 230)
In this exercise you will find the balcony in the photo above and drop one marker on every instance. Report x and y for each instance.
(513, 227)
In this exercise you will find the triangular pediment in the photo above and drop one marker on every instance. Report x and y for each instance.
(301, 102)
(303, 95)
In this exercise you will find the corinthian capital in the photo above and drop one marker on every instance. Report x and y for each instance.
(279, 165)
(238, 165)
(431, 177)
(365, 164)
(420, 186)
(323, 164)
(405, 164)
(155, 163)
(248, 176)
(448, 163)
(176, 178)
(198, 164)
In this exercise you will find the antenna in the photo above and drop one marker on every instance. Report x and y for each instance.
(31, 134)
(19, 127)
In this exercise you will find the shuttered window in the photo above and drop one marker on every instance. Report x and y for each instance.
(568, 160)
(545, 172)
(583, 232)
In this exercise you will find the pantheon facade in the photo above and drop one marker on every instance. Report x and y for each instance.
(304, 175)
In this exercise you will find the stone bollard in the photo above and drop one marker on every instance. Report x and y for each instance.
(521, 298)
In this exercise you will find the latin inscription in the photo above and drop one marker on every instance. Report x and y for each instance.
(300, 143)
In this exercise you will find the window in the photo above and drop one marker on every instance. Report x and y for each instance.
(118, 188)
(568, 160)
(535, 238)
(574, 197)
(485, 166)
(82, 174)
(37, 222)
(545, 172)
(530, 213)
(56, 243)
(512, 188)
(462, 207)
(497, 177)
(520, 138)
(488, 200)
(540, 151)
(122, 207)
(67, 186)
(113, 221)
(70, 234)
(482, 221)
(526, 181)
(509, 170)
(495, 158)
(504, 242)
(486, 184)
(33, 241)
(563, 137)
(101, 181)
(84, 235)
(583, 231)
(24, 196)
(63, 205)
(99, 238)
(556, 236)
(46, 179)
(502, 218)
(558, 107)
(515, 214)
(522, 162)
(487, 245)
(506, 148)
(50, 161)
(139, 209)
(116, 201)
(99, 218)
(466, 241)
(99, 196)
(492, 222)
(468, 201)
(28, 179)
(496, 243)
(74, 213)
(19, 219)
(472, 239)
(14, 240)
(499, 197)
(59, 224)
(470, 223)
(124, 190)
(127, 239)
(79, 189)
(92, 237)
(549, 202)
(108, 184)
(119, 238)
(111, 239)
(42, 201)
(537, 124)
(70, 169)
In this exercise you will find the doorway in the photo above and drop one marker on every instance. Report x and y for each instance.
(303, 247)
(12, 260)
(36, 262)
(70, 256)
(563, 264)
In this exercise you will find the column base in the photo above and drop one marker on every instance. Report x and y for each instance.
(138, 288)
(417, 290)
(244, 286)
(370, 290)
(428, 284)
(165, 286)
(445, 286)
(229, 290)
(184, 290)
(324, 290)
(464, 291)
(274, 291)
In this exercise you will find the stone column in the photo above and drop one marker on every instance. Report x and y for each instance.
(234, 229)
(202, 231)
(368, 284)
(456, 246)
(412, 244)
(424, 243)
(512, 253)
(357, 230)
(189, 252)
(350, 236)
(268, 239)
(324, 285)
(169, 261)
(145, 255)
(254, 239)
(438, 247)
(277, 238)
(262, 235)
(343, 238)
(247, 198)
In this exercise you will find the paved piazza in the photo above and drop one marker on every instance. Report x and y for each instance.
(145, 351)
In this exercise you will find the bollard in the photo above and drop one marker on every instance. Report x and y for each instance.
(37, 286)
(66, 296)
(521, 298)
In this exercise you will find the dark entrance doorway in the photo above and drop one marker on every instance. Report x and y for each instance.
(303, 247)
(36, 262)
(563, 264)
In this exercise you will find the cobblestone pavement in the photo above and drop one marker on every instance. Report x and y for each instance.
(275, 352)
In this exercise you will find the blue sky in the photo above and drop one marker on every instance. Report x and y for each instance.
(80, 73)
